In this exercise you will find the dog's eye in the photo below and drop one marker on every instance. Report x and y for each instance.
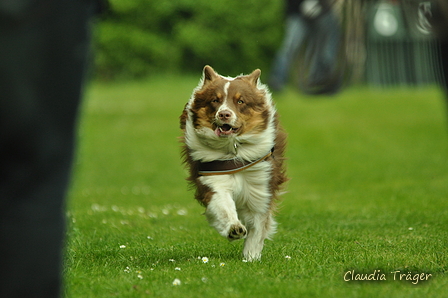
(215, 100)
(240, 102)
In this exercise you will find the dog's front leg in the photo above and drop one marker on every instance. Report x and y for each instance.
(261, 227)
(221, 214)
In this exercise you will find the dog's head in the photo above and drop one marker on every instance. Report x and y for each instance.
(224, 113)
(229, 106)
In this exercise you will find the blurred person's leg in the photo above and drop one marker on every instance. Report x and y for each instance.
(327, 46)
(43, 50)
(295, 33)
(444, 62)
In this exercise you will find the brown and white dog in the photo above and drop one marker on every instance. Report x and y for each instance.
(234, 150)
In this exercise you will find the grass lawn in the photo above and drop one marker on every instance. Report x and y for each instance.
(368, 191)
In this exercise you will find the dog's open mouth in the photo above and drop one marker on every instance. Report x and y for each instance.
(225, 130)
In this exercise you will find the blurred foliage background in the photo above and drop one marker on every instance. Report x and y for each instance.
(138, 38)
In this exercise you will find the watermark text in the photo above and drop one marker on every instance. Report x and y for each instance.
(395, 275)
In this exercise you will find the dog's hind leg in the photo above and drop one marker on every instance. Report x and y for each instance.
(262, 226)
(221, 214)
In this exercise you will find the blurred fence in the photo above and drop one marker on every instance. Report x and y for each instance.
(402, 48)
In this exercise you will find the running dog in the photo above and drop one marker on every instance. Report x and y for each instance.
(234, 150)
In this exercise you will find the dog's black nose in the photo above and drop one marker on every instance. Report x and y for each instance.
(225, 115)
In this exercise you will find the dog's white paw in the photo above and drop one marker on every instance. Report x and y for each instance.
(236, 232)
(252, 256)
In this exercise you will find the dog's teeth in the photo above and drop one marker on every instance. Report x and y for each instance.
(220, 128)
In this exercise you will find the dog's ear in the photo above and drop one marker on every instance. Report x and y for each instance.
(254, 77)
(209, 74)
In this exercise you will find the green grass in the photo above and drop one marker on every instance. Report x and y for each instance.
(368, 192)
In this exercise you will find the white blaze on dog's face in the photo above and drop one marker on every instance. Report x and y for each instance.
(229, 106)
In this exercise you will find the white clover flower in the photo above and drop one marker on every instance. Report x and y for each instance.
(204, 259)
(122, 246)
(204, 279)
(177, 268)
(244, 261)
(177, 282)
(182, 212)
(171, 260)
(222, 264)
(287, 257)
(140, 276)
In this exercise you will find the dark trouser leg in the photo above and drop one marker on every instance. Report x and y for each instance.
(43, 49)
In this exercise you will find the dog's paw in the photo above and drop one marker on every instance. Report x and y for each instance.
(251, 257)
(237, 232)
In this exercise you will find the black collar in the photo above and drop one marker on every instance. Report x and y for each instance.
(229, 166)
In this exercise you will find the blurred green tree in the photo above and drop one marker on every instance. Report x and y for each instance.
(137, 38)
